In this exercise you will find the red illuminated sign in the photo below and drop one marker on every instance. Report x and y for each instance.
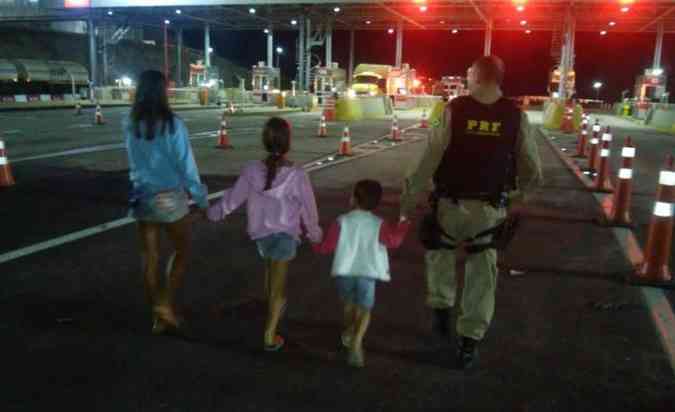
(74, 4)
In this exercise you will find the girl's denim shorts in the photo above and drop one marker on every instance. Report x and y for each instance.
(277, 246)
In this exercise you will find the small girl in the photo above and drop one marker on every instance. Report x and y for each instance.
(360, 240)
(279, 197)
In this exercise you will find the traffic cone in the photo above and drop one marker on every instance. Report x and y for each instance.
(345, 143)
(654, 270)
(322, 127)
(424, 123)
(78, 109)
(231, 107)
(395, 131)
(99, 116)
(602, 180)
(223, 138)
(620, 214)
(567, 125)
(6, 177)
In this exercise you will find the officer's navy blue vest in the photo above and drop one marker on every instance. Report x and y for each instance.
(480, 159)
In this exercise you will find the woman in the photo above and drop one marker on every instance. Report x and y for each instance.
(161, 169)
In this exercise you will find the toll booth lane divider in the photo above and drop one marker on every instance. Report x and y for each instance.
(359, 151)
(660, 309)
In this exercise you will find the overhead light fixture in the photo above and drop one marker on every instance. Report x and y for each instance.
(603, 33)
(294, 22)
(442, 21)
(390, 31)
(110, 12)
(528, 31)
(455, 31)
(251, 10)
(266, 31)
(625, 9)
(523, 22)
(167, 21)
(337, 9)
(520, 9)
(368, 21)
(612, 23)
(423, 9)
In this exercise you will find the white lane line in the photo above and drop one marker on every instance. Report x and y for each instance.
(98, 148)
(13, 131)
(94, 230)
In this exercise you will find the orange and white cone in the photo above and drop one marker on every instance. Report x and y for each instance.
(6, 177)
(594, 145)
(654, 270)
(231, 108)
(567, 123)
(620, 214)
(323, 131)
(99, 116)
(424, 123)
(78, 109)
(602, 180)
(395, 131)
(223, 138)
(345, 143)
(581, 143)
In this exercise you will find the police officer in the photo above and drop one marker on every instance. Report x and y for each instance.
(479, 151)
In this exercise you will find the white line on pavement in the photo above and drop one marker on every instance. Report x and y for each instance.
(94, 230)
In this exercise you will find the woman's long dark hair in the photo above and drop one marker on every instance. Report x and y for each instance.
(151, 105)
(277, 141)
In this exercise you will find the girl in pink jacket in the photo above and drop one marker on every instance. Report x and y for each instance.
(279, 197)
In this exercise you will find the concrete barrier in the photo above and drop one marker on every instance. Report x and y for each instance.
(348, 110)
(662, 118)
(554, 112)
(373, 107)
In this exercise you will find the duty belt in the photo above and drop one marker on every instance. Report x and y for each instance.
(503, 233)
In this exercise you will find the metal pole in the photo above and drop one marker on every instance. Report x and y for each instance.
(179, 57)
(399, 45)
(301, 56)
(659, 45)
(488, 37)
(104, 81)
(351, 56)
(308, 51)
(207, 46)
(166, 52)
(329, 46)
(92, 52)
(270, 49)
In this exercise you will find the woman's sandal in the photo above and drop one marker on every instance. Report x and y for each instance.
(277, 345)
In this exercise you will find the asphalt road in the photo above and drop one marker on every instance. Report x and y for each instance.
(567, 335)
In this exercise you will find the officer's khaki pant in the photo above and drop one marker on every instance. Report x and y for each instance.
(465, 219)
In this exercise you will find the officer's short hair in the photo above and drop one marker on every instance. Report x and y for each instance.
(490, 68)
(368, 194)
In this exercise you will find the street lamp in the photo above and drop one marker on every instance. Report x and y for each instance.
(597, 86)
(280, 51)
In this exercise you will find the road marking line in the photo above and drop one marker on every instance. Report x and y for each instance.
(94, 230)
(13, 131)
(98, 148)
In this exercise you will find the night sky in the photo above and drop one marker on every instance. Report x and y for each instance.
(615, 59)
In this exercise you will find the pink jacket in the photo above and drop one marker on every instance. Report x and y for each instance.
(282, 208)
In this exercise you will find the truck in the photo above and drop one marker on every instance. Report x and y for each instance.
(382, 79)
(450, 87)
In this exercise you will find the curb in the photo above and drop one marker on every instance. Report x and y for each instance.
(175, 108)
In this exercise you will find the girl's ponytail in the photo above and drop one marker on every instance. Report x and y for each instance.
(277, 142)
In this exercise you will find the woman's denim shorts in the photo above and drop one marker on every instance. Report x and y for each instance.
(164, 207)
(277, 246)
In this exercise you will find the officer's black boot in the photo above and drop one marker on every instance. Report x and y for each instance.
(441, 322)
(467, 353)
